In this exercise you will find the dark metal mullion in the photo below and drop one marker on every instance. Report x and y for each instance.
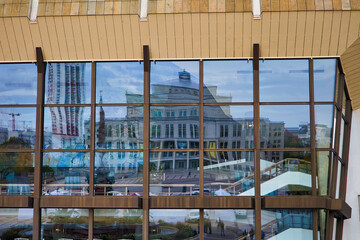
(38, 144)
(313, 145)
(92, 146)
(201, 144)
(146, 138)
(256, 95)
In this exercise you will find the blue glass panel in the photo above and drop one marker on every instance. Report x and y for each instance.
(324, 79)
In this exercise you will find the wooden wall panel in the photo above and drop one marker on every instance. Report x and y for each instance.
(54, 39)
(45, 38)
(344, 31)
(334, 34)
(144, 33)
(195, 28)
(290, 48)
(163, 50)
(154, 42)
(128, 43)
(188, 48)
(300, 33)
(319, 20)
(86, 40)
(135, 34)
(204, 37)
(101, 34)
(69, 38)
(78, 38)
(110, 35)
(229, 34)
(247, 44)
(27, 38)
(63, 49)
(309, 32)
(213, 35)
(256, 31)
(171, 40)
(283, 34)
(4, 42)
(265, 36)
(19, 38)
(119, 37)
(238, 38)
(354, 29)
(326, 33)
(221, 26)
(179, 36)
(274, 33)
(9, 30)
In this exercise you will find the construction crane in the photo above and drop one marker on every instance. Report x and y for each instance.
(13, 115)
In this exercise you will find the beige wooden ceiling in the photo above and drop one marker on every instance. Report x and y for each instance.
(188, 35)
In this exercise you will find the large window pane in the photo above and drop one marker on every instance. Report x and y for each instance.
(284, 80)
(174, 82)
(17, 128)
(285, 126)
(68, 83)
(174, 224)
(118, 128)
(64, 223)
(286, 224)
(118, 173)
(324, 79)
(18, 83)
(229, 224)
(323, 162)
(65, 127)
(324, 125)
(285, 173)
(16, 173)
(174, 127)
(16, 223)
(220, 77)
(231, 177)
(174, 173)
(113, 224)
(227, 125)
(120, 82)
(66, 173)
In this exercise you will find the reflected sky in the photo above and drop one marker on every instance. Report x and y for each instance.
(291, 115)
(284, 80)
(324, 79)
(18, 83)
(223, 75)
(119, 82)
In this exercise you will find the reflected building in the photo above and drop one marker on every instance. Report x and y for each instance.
(66, 86)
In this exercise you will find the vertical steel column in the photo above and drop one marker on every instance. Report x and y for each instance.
(256, 83)
(92, 146)
(332, 185)
(146, 122)
(38, 143)
(313, 144)
(201, 143)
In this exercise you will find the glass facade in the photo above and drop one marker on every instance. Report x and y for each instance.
(173, 149)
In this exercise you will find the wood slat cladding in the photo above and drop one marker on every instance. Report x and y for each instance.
(214, 35)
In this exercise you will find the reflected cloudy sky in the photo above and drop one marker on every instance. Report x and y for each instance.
(324, 79)
(18, 83)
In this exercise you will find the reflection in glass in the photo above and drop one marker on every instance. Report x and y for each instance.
(341, 142)
(174, 82)
(122, 82)
(117, 128)
(174, 127)
(220, 77)
(174, 173)
(64, 223)
(228, 127)
(284, 80)
(68, 83)
(289, 126)
(16, 223)
(65, 173)
(65, 127)
(118, 173)
(16, 173)
(286, 224)
(174, 224)
(323, 125)
(229, 224)
(232, 176)
(113, 224)
(322, 214)
(323, 160)
(285, 173)
(18, 83)
(324, 79)
(338, 180)
(17, 128)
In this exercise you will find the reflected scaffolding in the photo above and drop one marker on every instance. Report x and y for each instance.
(16, 223)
